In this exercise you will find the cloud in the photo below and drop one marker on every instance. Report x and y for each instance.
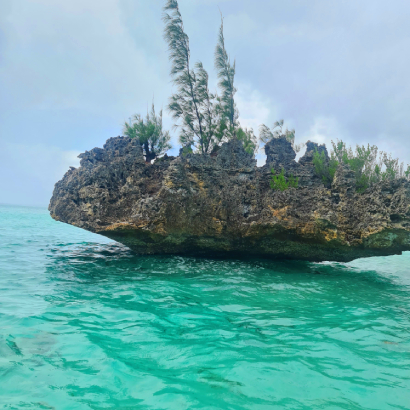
(74, 54)
(30, 172)
(323, 131)
(72, 71)
(254, 107)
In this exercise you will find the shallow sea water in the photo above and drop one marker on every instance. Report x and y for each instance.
(85, 324)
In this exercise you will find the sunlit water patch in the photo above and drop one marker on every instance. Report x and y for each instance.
(86, 324)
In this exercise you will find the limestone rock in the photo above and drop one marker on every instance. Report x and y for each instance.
(222, 204)
(311, 148)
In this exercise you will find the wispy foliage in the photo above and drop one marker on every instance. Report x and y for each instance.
(277, 131)
(204, 119)
(153, 139)
(248, 139)
(226, 76)
(192, 104)
(325, 168)
(369, 165)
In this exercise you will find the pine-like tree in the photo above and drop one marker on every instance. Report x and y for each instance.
(226, 75)
(153, 139)
(229, 126)
(192, 103)
(248, 139)
(205, 120)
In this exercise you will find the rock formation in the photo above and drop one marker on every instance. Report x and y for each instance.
(223, 205)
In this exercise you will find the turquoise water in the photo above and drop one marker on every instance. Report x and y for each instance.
(85, 324)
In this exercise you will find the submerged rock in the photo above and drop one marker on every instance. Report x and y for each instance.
(223, 204)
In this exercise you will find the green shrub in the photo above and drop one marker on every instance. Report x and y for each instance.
(281, 183)
(153, 140)
(324, 169)
(362, 162)
(187, 149)
(248, 139)
(368, 164)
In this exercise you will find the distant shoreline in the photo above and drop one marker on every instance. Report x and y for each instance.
(24, 206)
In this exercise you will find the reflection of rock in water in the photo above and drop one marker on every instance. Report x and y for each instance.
(203, 205)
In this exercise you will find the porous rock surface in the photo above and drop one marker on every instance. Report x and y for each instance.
(223, 205)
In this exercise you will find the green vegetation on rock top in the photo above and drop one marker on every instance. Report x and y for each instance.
(207, 119)
(368, 164)
(154, 141)
(280, 183)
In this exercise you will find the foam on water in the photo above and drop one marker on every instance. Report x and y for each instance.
(85, 324)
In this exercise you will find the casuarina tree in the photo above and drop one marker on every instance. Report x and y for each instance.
(204, 119)
(192, 104)
(226, 76)
(153, 139)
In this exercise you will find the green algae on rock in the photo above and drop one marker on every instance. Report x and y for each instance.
(222, 204)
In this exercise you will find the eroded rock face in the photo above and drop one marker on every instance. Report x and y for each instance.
(203, 205)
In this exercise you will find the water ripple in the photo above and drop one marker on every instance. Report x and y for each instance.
(86, 324)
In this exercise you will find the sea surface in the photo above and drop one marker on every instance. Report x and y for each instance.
(86, 324)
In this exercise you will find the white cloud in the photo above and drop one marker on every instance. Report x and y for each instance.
(323, 131)
(72, 71)
(254, 108)
(29, 172)
(76, 55)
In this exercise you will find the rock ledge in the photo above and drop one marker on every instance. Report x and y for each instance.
(203, 205)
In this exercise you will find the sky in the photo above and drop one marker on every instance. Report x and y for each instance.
(71, 73)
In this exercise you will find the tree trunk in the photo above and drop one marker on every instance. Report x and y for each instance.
(149, 155)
